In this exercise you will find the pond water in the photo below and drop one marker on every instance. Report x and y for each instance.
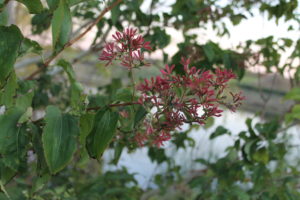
(139, 163)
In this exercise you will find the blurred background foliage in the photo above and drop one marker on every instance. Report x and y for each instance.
(259, 158)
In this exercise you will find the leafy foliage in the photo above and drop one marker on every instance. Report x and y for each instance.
(52, 128)
(105, 124)
(9, 50)
(59, 138)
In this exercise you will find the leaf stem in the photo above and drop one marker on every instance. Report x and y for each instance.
(3, 189)
(132, 83)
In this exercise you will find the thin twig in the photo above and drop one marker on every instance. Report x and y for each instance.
(33, 60)
(296, 122)
(83, 26)
(94, 48)
(71, 42)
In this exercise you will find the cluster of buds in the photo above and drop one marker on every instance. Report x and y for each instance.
(127, 47)
(173, 99)
(178, 99)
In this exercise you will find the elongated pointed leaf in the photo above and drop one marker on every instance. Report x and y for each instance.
(103, 131)
(53, 4)
(10, 42)
(30, 46)
(86, 125)
(220, 130)
(140, 115)
(9, 91)
(9, 129)
(12, 139)
(76, 88)
(41, 22)
(74, 2)
(61, 25)
(25, 94)
(6, 173)
(41, 167)
(59, 138)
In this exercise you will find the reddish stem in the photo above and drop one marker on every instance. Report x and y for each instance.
(114, 105)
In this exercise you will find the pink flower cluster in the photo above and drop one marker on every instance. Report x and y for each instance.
(173, 99)
(127, 47)
(178, 99)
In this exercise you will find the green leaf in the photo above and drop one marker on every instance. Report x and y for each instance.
(42, 167)
(294, 114)
(159, 38)
(53, 4)
(209, 122)
(39, 182)
(249, 149)
(209, 51)
(26, 116)
(103, 131)
(141, 112)
(25, 94)
(236, 19)
(115, 14)
(269, 129)
(74, 2)
(180, 139)
(9, 91)
(220, 130)
(261, 155)
(2, 188)
(123, 94)
(76, 88)
(97, 100)
(1, 3)
(4, 16)
(293, 94)
(68, 69)
(127, 118)
(86, 125)
(61, 25)
(6, 173)
(117, 153)
(59, 138)
(241, 194)
(9, 48)
(30, 46)
(12, 139)
(287, 42)
(8, 124)
(250, 129)
(112, 88)
(34, 6)
(41, 22)
(158, 155)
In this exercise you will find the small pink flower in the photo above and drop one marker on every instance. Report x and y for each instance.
(124, 114)
(178, 98)
(168, 70)
(109, 53)
(140, 139)
(127, 47)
